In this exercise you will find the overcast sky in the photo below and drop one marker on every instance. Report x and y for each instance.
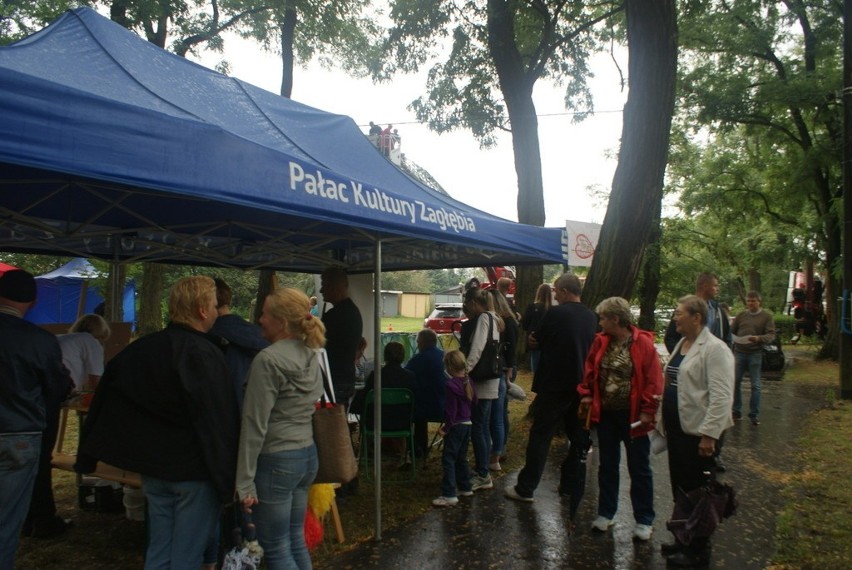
(574, 156)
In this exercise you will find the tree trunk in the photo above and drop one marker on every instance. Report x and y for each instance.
(638, 182)
(266, 284)
(650, 286)
(116, 281)
(150, 301)
(287, 25)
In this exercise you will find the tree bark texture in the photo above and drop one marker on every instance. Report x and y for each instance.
(288, 30)
(516, 85)
(267, 282)
(150, 301)
(638, 181)
(650, 287)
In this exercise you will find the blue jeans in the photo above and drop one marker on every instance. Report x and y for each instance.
(18, 466)
(535, 358)
(480, 435)
(613, 430)
(181, 516)
(454, 461)
(282, 480)
(753, 362)
(498, 425)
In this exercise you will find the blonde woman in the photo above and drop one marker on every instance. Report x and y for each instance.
(83, 350)
(277, 460)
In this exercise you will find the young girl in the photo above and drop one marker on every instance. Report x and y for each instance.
(456, 431)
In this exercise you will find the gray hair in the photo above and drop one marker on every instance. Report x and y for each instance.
(616, 307)
(570, 282)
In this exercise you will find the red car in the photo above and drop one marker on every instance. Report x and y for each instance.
(442, 318)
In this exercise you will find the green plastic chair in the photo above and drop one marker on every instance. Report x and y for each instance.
(397, 423)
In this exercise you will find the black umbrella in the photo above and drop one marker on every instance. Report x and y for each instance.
(697, 513)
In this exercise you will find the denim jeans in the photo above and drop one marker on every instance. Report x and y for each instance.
(181, 516)
(753, 362)
(480, 435)
(18, 465)
(498, 426)
(535, 358)
(613, 430)
(282, 480)
(454, 461)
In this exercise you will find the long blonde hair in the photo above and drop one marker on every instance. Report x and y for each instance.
(456, 364)
(294, 307)
(93, 324)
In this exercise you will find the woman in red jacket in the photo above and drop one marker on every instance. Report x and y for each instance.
(622, 383)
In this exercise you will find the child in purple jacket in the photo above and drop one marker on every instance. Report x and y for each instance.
(456, 431)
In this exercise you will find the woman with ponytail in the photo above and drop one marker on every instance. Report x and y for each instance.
(277, 459)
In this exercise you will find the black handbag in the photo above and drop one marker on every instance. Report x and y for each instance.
(490, 363)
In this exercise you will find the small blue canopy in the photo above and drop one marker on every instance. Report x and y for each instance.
(111, 147)
(59, 293)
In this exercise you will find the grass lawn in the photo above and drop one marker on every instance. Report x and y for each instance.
(813, 529)
(815, 526)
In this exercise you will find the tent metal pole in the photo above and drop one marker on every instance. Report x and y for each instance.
(116, 300)
(377, 386)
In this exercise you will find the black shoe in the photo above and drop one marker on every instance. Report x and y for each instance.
(51, 527)
(736, 415)
(720, 465)
(670, 548)
(687, 558)
(755, 422)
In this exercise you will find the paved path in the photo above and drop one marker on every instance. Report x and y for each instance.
(488, 531)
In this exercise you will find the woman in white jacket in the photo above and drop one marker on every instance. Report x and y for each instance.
(696, 411)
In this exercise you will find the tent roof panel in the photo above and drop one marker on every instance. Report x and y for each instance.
(111, 147)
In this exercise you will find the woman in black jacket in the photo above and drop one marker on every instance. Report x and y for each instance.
(532, 318)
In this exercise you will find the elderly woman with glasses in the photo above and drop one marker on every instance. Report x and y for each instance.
(621, 384)
(696, 411)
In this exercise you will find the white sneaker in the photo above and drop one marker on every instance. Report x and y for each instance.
(445, 502)
(494, 466)
(481, 482)
(512, 493)
(465, 493)
(643, 532)
(602, 524)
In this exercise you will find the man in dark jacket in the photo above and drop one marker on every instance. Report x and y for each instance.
(32, 385)
(343, 331)
(242, 340)
(165, 408)
(564, 337)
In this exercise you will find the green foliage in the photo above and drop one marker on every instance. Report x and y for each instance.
(551, 40)
(340, 33)
(755, 157)
(20, 18)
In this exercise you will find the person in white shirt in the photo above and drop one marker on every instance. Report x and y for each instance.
(83, 351)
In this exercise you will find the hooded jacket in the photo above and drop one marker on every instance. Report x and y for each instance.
(646, 383)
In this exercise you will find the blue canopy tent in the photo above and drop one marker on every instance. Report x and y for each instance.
(111, 147)
(64, 294)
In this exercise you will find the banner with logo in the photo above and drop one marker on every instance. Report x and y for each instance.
(582, 241)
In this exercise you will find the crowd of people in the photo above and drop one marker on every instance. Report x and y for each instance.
(210, 371)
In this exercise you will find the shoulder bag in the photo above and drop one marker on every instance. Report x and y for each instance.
(337, 462)
(490, 363)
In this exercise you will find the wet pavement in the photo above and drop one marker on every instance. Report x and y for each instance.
(490, 531)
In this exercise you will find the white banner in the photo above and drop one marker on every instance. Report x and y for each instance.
(582, 241)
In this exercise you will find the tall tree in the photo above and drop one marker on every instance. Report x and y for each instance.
(637, 186)
(333, 30)
(773, 69)
(484, 82)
